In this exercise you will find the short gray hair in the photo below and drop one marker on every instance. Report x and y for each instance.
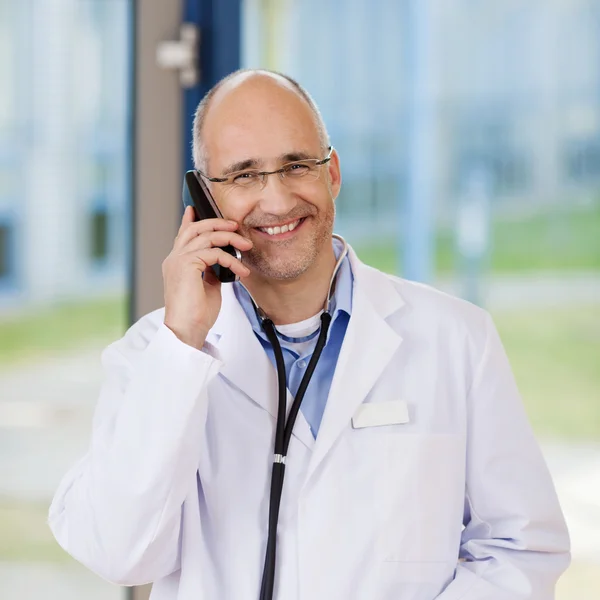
(198, 150)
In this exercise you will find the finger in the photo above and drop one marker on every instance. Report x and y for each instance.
(219, 239)
(197, 228)
(212, 256)
(188, 217)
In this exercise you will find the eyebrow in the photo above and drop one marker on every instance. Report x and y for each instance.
(255, 163)
(248, 163)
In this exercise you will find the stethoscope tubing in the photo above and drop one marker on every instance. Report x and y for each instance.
(284, 427)
(283, 436)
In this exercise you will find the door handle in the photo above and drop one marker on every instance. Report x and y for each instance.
(182, 55)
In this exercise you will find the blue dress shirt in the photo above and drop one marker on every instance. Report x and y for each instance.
(315, 399)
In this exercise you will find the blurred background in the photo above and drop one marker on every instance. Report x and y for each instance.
(469, 135)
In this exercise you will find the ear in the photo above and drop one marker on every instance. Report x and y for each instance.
(335, 174)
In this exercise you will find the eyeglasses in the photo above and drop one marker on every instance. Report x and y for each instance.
(290, 174)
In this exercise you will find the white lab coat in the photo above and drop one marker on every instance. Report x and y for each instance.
(174, 488)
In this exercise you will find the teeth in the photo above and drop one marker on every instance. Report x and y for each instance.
(282, 229)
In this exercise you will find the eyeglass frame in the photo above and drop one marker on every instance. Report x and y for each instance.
(265, 174)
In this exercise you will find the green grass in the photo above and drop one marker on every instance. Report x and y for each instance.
(555, 241)
(555, 355)
(60, 328)
(25, 535)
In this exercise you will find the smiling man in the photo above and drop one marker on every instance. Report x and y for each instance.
(235, 134)
(318, 430)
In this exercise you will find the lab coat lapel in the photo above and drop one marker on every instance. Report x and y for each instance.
(246, 364)
(369, 345)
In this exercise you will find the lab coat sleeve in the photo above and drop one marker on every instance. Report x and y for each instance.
(118, 511)
(515, 544)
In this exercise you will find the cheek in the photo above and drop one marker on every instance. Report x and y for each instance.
(320, 197)
(233, 209)
(327, 206)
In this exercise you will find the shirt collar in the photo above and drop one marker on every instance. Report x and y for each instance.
(340, 302)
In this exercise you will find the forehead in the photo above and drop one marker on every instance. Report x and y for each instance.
(259, 117)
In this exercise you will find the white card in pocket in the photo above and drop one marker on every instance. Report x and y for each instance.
(380, 413)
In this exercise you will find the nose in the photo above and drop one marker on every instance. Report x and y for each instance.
(275, 197)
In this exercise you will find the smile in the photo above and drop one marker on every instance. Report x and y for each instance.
(279, 229)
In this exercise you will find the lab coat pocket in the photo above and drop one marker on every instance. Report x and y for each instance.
(423, 496)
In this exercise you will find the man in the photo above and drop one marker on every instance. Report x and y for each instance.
(412, 473)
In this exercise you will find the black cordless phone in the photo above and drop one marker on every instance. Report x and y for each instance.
(196, 195)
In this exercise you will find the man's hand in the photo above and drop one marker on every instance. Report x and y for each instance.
(192, 291)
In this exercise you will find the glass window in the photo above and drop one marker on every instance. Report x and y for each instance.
(65, 110)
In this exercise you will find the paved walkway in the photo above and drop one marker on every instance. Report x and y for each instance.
(537, 290)
(34, 581)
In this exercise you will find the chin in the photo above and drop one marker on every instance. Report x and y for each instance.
(280, 267)
(281, 271)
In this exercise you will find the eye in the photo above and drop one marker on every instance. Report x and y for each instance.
(296, 169)
(245, 178)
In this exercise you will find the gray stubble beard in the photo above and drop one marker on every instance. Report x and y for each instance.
(257, 261)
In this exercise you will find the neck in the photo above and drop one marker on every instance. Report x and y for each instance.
(294, 300)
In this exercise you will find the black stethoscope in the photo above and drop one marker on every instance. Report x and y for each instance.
(283, 430)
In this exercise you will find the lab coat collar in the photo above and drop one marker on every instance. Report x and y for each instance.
(246, 365)
(369, 342)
